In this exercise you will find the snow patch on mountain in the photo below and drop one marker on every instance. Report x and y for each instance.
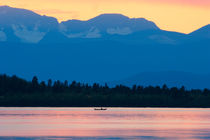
(30, 36)
(119, 31)
(3, 36)
(93, 33)
(162, 39)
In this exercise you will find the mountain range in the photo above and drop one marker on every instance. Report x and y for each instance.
(108, 47)
(20, 25)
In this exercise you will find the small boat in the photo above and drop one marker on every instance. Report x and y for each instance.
(100, 108)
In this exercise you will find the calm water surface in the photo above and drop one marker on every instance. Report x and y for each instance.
(115, 123)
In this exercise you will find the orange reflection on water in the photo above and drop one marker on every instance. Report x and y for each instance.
(115, 122)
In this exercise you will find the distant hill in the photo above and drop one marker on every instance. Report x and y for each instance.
(203, 32)
(171, 78)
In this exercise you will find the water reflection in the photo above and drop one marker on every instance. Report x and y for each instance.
(119, 123)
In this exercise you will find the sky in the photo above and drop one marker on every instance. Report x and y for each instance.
(175, 15)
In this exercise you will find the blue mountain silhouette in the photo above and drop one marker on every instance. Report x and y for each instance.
(106, 48)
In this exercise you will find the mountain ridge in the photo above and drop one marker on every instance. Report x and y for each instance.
(22, 25)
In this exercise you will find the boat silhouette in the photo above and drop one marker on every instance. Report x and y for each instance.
(100, 108)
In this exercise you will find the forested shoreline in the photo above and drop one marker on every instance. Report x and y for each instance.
(17, 92)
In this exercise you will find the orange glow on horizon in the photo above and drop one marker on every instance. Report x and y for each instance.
(174, 15)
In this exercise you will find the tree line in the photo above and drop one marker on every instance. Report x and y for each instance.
(15, 91)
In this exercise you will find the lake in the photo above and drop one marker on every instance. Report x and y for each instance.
(114, 123)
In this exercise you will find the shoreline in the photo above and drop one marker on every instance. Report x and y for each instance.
(105, 107)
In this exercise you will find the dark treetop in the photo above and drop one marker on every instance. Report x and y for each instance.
(18, 92)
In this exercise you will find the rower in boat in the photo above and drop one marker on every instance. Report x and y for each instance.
(100, 108)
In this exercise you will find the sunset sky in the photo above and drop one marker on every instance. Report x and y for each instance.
(175, 15)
